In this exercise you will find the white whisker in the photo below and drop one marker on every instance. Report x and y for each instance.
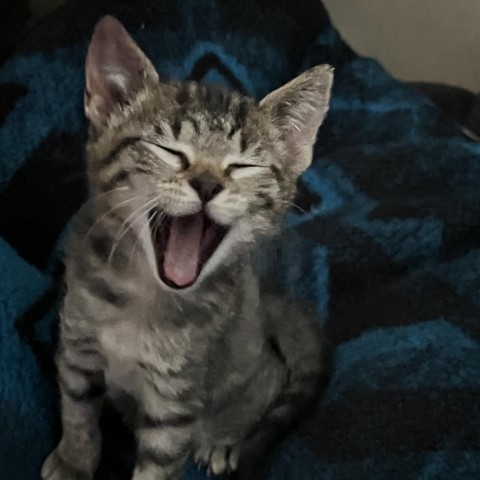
(132, 214)
(297, 207)
(156, 224)
(109, 192)
(137, 241)
(142, 210)
(97, 222)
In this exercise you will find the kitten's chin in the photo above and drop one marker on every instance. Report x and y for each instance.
(183, 246)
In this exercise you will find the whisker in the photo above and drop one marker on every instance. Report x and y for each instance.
(137, 242)
(97, 222)
(147, 225)
(156, 223)
(141, 211)
(158, 219)
(132, 214)
(297, 207)
(109, 192)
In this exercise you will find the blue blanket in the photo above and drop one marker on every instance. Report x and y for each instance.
(386, 238)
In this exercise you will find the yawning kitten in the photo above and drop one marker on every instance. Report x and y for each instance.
(162, 305)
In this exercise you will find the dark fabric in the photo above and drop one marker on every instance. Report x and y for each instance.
(385, 239)
(472, 122)
(462, 105)
(13, 18)
(455, 101)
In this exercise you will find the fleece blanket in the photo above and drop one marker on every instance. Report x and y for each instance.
(386, 238)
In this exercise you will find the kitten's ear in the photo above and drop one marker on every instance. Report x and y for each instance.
(298, 109)
(116, 69)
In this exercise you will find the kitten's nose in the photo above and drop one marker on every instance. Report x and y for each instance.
(206, 189)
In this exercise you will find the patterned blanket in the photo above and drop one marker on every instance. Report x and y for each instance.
(386, 238)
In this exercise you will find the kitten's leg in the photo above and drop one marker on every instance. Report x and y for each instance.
(164, 435)
(158, 457)
(291, 374)
(81, 387)
(221, 434)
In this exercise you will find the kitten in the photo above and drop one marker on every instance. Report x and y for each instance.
(162, 303)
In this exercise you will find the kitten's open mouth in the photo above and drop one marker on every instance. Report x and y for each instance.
(183, 245)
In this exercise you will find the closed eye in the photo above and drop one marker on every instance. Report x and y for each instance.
(237, 166)
(174, 158)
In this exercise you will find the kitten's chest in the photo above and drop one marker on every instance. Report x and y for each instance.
(129, 346)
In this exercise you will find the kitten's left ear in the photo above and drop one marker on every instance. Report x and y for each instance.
(116, 69)
(298, 109)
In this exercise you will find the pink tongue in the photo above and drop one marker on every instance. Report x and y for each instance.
(182, 254)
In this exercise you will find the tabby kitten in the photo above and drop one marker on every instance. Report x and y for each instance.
(162, 304)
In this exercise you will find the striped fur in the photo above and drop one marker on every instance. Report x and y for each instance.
(218, 369)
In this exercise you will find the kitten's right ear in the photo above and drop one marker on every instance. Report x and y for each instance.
(116, 69)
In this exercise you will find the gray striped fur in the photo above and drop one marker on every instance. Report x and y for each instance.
(218, 369)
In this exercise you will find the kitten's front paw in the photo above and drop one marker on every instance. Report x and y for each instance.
(55, 468)
(219, 459)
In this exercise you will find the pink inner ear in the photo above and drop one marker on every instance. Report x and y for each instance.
(115, 69)
(99, 96)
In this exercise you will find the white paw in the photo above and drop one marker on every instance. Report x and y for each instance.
(219, 459)
(54, 468)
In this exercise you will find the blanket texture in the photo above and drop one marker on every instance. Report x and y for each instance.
(386, 238)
